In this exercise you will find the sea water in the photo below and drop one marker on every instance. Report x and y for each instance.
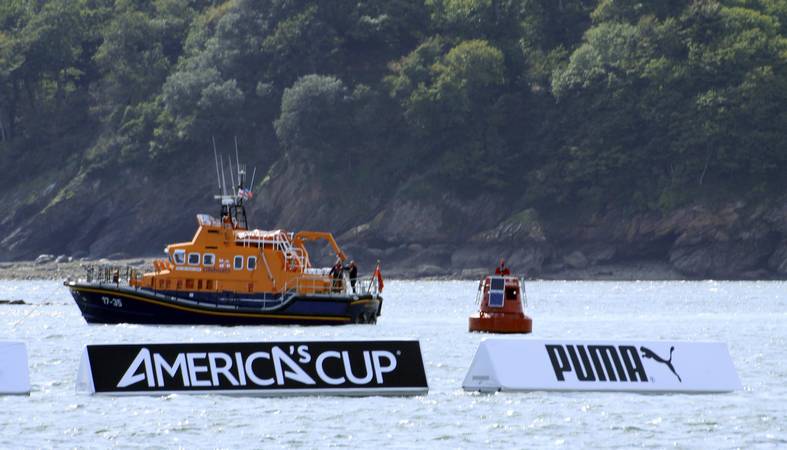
(750, 316)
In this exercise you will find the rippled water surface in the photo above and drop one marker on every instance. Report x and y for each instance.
(750, 316)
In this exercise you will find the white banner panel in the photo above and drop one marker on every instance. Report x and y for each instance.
(502, 364)
(14, 374)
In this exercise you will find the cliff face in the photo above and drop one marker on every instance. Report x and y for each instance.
(138, 210)
(102, 212)
(733, 241)
(441, 233)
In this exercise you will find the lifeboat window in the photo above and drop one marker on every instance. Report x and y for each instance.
(208, 259)
(194, 259)
(199, 285)
(179, 256)
(511, 293)
(252, 264)
(189, 284)
(209, 284)
(239, 263)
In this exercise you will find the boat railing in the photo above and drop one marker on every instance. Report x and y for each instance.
(327, 285)
(208, 220)
(295, 257)
(109, 274)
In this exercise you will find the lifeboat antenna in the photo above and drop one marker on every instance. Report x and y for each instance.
(232, 178)
(251, 186)
(216, 158)
(237, 162)
(223, 189)
(241, 168)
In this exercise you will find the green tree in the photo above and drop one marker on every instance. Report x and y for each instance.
(141, 44)
(314, 118)
(674, 103)
(450, 102)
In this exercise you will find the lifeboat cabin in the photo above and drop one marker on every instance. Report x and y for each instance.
(500, 306)
(231, 275)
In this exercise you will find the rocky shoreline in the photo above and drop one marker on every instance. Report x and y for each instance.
(60, 271)
(731, 242)
(641, 270)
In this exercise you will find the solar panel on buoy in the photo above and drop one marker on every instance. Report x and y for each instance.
(497, 292)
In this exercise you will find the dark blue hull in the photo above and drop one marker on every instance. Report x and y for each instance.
(108, 303)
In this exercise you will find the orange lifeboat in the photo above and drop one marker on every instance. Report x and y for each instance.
(500, 309)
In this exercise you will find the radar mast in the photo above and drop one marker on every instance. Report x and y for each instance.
(232, 202)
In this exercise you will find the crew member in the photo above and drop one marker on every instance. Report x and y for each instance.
(502, 269)
(352, 269)
(336, 274)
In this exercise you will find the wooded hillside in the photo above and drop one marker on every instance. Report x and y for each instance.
(530, 126)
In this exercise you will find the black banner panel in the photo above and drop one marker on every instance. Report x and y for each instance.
(255, 368)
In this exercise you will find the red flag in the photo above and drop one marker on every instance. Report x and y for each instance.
(379, 275)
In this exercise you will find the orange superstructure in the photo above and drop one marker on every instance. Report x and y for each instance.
(223, 256)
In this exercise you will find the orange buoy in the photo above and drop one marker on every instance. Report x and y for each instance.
(500, 309)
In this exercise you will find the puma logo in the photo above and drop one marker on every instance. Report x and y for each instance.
(650, 354)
